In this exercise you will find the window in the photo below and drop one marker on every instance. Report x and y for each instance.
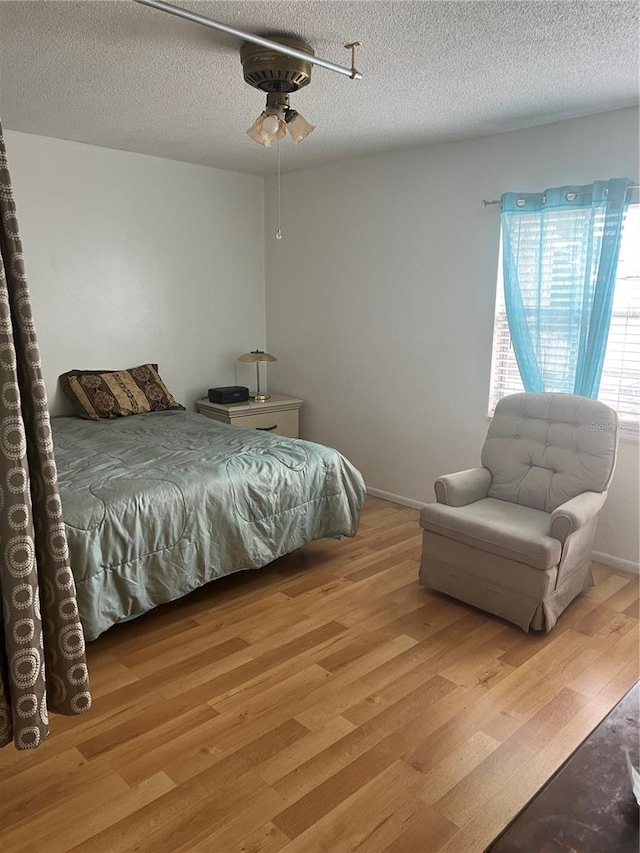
(620, 384)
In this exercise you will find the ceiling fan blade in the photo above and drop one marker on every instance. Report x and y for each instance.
(252, 37)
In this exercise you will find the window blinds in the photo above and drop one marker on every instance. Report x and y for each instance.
(620, 383)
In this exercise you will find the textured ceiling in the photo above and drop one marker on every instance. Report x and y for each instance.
(122, 75)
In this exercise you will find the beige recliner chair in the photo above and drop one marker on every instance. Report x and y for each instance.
(514, 537)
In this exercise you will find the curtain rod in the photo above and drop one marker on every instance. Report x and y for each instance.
(255, 39)
(486, 203)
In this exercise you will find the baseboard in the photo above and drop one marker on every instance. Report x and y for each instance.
(616, 562)
(395, 499)
(597, 556)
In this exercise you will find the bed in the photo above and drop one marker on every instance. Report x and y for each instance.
(156, 505)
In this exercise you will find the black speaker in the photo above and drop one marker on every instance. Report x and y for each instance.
(229, 394)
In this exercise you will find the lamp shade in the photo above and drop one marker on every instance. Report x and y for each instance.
(265, 135)
(257, 355)
(298, 127)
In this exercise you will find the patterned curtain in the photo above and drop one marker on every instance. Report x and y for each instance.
(40, 631)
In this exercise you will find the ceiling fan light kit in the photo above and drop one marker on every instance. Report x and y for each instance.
(278, 65)
(278, 75)
(278, 118)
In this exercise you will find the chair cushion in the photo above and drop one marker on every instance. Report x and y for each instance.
(499, 527)
(544, 449)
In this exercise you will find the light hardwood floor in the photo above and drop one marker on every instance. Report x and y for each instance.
(326, 703)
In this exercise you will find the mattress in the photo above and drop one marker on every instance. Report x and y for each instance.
(157, 505)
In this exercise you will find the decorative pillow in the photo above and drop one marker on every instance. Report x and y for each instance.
(99, 394)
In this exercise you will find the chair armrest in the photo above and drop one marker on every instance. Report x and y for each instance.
(569, 516)
(463, 487)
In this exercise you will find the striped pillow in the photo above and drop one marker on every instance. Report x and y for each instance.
(97, 394)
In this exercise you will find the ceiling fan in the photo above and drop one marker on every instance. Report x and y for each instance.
(279, 66)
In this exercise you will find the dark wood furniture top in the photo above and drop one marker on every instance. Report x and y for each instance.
(588, 806)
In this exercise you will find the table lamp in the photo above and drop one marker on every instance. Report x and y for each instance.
(259, 357)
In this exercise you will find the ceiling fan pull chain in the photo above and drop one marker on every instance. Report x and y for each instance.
(279, 231)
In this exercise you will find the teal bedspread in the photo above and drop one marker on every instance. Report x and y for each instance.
(157, 505)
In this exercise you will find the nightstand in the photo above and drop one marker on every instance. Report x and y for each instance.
(279, 414)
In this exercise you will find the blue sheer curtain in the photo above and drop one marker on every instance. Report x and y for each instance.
(560, 254)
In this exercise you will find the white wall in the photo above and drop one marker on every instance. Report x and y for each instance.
(134, 259)
(380, 299)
